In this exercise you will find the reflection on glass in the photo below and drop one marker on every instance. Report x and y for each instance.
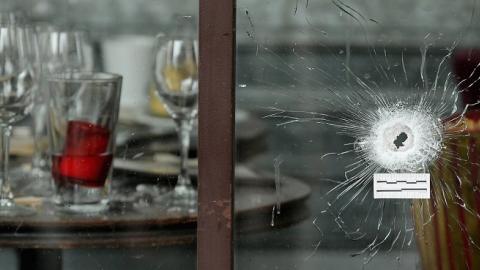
(350, 90)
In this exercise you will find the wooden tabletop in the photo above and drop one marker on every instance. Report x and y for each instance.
(130, 226)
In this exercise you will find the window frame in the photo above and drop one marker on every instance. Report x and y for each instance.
(216, 129)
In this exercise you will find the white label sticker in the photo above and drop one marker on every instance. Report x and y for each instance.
(401, 186)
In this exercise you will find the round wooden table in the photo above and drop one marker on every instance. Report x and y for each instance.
(129, 226)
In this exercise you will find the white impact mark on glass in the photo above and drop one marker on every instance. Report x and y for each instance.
(402, 138)
(392, 133)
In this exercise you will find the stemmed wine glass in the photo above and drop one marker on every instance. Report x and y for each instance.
(18, 81)
(176, 78)
(60, 50)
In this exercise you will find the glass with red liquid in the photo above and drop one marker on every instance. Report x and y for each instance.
(83, 111)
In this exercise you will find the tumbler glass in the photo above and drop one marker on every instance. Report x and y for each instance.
(82, 117)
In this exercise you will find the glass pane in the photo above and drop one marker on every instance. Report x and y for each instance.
(356, 132)
(98, 177)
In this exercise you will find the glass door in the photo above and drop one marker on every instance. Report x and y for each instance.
(356, 134)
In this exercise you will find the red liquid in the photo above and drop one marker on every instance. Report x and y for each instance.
(85, 159)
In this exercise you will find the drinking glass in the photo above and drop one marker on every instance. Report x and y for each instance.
(82, 117)
(176, 78)
(60, 50)
(18, 81)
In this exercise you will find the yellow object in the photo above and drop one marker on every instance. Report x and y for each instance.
(156, 105)
(174, 75)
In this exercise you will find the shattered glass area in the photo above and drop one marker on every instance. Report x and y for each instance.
(394, 90)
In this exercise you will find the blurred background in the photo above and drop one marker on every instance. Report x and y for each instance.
(289, 53)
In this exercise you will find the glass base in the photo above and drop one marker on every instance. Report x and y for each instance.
(183, 199)
(74, 198)
(8, 208)
(83, 209)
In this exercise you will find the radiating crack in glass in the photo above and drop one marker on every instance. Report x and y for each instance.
(276, 210)
(422, 132)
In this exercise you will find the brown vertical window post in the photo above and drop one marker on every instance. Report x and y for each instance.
(216, 134)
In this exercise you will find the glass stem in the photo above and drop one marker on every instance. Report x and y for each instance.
(5, 194)
(184, 127)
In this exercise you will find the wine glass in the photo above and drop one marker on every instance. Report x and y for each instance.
(60, 50)
(176, 78)
(18, 81)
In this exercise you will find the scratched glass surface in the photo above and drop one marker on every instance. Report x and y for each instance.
(344, 90)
